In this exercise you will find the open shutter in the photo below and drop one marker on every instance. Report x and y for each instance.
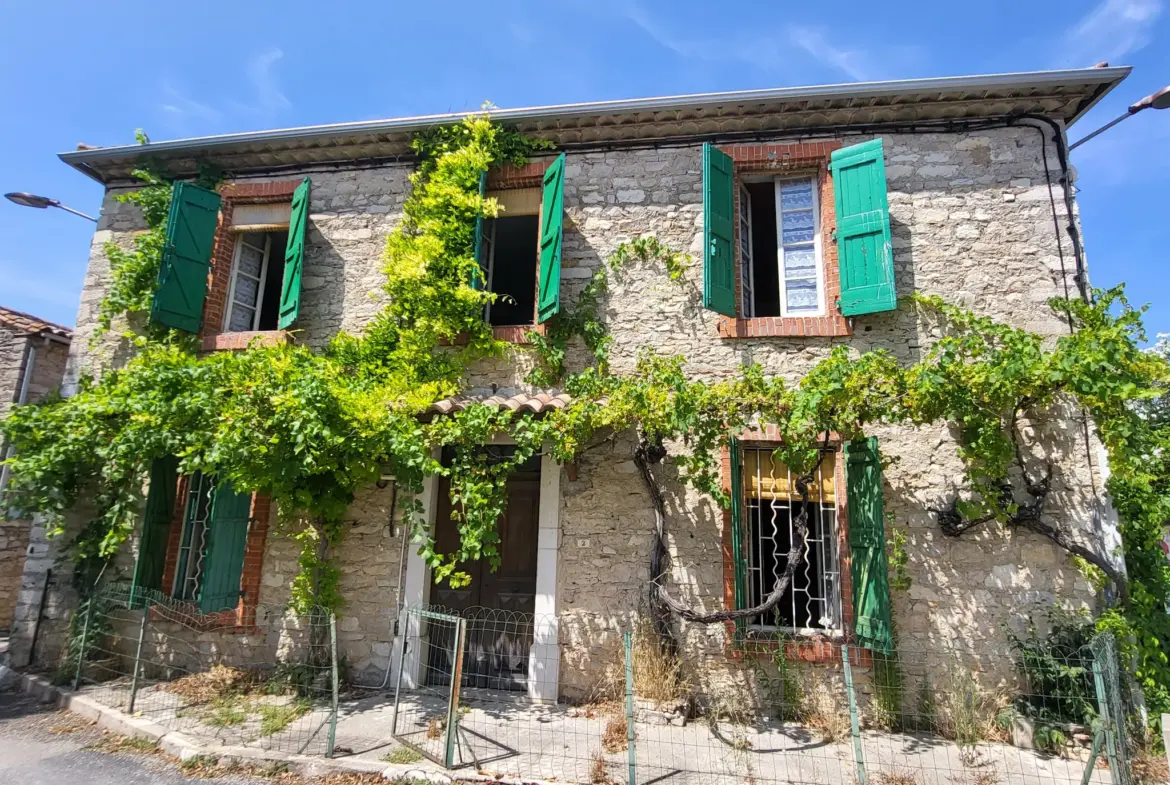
(738, 557)
(863, 229)
(294, 256)
(228, 534)
(156, 529)
(186, 260)
(718, 231)
(482, 242)
(867, 546)
(552, 218)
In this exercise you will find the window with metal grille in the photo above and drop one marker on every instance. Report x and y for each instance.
(193, 544)
(812, 602)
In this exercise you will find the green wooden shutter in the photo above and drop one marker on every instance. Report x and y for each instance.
(718, 231)
(738, 557)
(224, 562)
(481, 244)
(863, 229)
(156, 528)
(867, 545)
(552, 219)
(294, 256)
(186, 261)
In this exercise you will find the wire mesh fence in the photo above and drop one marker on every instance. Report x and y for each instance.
(767, 709)
(482, 692)
(261, 677)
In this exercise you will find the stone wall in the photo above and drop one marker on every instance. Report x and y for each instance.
(971, 222)
(48, 369)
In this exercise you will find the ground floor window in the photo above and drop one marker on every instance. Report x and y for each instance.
(210, 559)
(771, 503)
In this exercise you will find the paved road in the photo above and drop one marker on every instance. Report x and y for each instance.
(42, 746)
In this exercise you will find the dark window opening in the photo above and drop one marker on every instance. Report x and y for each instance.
(764, 261)
(258, 281)
(512, 269)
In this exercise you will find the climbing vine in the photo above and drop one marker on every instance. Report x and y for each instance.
(311, 428)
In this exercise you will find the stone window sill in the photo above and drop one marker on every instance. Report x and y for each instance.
(833, 325)
(242, 340)
(234, 621)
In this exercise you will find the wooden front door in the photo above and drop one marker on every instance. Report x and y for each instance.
(499, 604)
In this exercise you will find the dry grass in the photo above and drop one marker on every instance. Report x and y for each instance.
(822, 710)
(116, 744)
(599, 770)
(987, 776)
(1149, 768)
(614, 738)
(69, 723)
(217, 682)
(896, 777)
(435, 728)
(658, 675)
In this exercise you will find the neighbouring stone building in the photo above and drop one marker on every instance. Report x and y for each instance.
(806, 211)
(33, 353)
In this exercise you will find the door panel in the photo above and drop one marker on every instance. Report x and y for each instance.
(498, 605)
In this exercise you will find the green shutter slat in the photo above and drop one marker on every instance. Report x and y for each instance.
(186, 261)
(718, 231)
(552, 218)
(867, 546)
(479, 276)
(737, 529)
(156, 528)
(294, 256)
(224, 562)
(864, 253)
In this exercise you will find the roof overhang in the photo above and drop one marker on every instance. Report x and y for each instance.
(1063, 96)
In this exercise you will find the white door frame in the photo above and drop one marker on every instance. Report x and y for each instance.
(544, 658)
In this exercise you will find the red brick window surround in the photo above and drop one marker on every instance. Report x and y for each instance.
(804, 158)
(505, 178)
(212, 333)
(243, 617)
(811, 647)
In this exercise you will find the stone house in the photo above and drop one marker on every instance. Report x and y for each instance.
(808, 211)
(33, 353)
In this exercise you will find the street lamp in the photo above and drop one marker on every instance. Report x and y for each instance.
(1158, 100)
(41, 202)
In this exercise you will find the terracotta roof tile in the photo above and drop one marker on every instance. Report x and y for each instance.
(28, 324)
(536, 403)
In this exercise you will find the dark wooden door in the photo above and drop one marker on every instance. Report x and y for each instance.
(498, 604)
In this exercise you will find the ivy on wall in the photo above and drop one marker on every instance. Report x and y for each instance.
(312, 428)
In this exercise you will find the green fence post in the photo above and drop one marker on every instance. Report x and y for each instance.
(84, 637)
(855, 726)
(333, 661)
(138, 656)
(453, 699)
(631, 753)
(1107, 683)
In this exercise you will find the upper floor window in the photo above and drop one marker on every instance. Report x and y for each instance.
(510, 256)
(257, 275)
(781, 272)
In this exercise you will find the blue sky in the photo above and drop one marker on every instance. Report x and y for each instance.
(93, 72)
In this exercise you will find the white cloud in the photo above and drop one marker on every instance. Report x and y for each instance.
(178, 105)
(770, 51)
(1110, 32)
(260, 72)
(853, 62)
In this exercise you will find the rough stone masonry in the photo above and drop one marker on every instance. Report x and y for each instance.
(971, 222)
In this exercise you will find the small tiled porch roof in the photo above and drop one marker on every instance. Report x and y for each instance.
(27, 324)
(510, 400)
